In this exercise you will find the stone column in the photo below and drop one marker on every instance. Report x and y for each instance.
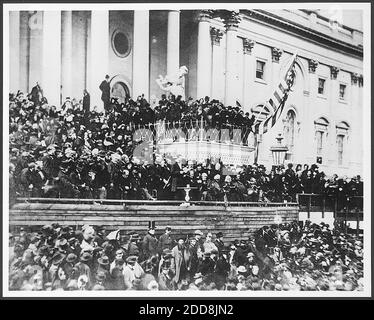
(248, 65)
(276, 54)
(231, 20)
(51, 53)
(67, 53)
(308, 128)
(14, 47)
(357, 120)
(204, 55)
(172, 55)
(24, 61)
(333, 101)
(35, 49)
(217, 74)
(140, 70)
(99, 55)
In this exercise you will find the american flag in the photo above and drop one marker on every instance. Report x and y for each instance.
(277, 101)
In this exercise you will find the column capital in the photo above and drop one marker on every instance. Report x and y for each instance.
(360, 80)
(312, 65)
(216, 35)
(36, 20)
(354, 78)
(248, 45)
(276, 53)
(204, 15)
(334, 72)
(230, 18)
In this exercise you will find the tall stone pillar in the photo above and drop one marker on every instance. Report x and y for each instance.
(356, 121)
(14, 51)
(248, 65)
(276, 54)
(35, 34)
(67, 53)
(217, 57)
(308, 127)
(173, 38)
(99, 55)
(333, 100)
(24, 54)
(141, 54)
(231, 20)
(204, 55)
(51, 53)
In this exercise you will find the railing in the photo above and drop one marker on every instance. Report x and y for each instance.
(155, 202)
(345, 209)
(193, 130)
(323, 202)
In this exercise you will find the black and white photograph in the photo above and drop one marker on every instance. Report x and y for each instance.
(186, 150)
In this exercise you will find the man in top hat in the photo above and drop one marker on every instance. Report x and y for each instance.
(150, 242)
(105, 93)
(165, 241)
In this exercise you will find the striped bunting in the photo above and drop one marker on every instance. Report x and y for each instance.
(275, 103)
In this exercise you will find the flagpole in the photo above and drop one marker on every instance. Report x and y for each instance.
(289, 68)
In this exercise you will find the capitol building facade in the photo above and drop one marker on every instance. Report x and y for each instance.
(237, 57)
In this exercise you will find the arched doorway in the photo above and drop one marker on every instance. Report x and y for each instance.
(119, 90)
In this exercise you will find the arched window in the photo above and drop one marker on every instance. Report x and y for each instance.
(321, 132)
(342, 130)
(289, 133)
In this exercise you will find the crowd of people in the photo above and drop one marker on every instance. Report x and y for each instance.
(286, 257)
(76, 152)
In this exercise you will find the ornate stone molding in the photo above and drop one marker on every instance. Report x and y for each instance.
(313, 64)
(36, 20)
(360, 80)
(334, 72)
(216, 35)
(307, 33)
(230, 18)
(204, 15)
(276, 53)
(248, 45)
(354, 78)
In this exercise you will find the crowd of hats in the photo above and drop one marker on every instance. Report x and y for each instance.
(292, 257)
(77, 153)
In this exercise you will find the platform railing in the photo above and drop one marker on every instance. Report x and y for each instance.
(345, 209)
(154, 202)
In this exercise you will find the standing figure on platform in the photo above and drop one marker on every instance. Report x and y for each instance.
(36, 94)
(174, 83)
(86, 102)
(105, 92)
